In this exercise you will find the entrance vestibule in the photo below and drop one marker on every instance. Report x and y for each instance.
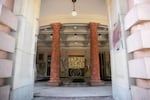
(75, 56)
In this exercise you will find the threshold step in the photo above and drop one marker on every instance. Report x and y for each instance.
(75, 98)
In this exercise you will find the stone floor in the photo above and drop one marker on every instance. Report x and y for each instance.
(73, 98)
(74, 92)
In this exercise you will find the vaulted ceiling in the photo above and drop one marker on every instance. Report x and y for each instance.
(75, 30)
(60, 11)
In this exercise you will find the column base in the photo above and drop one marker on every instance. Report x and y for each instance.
(55, 83)
(96, 83)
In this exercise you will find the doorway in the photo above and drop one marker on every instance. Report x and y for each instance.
(105, 67)
(75, 51)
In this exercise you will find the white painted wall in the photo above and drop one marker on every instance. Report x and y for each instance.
(60, 11)
(62, 7)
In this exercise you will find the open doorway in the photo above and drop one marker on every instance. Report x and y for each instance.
(74, 48)
(75, 58)
(105, 69)
(75, 52)
(27, 14)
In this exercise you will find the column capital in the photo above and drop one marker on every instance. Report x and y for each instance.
(56, 26)
(94, 24)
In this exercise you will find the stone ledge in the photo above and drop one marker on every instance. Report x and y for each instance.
(136, 15)
(9, 4)
(140, 26)
(140, 93)
(7, 42)
(132, 3)
(8, 18)
(143, 83)
(142, 53)
(4, 92)
(139, 68)
(139, 40)
(5, 68)
(3, 54)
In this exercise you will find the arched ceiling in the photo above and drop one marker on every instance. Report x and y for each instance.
(60, 11)
(73, 38)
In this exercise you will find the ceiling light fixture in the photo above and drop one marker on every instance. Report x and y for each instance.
(74, 13)
(75, 35)
(74, 27)
(51, 35)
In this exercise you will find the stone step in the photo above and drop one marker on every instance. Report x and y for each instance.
(84, 84)
(45, 92)
(75, 98)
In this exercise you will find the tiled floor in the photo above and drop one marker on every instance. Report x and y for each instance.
(83, 92)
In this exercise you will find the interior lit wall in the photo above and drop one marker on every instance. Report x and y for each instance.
(60, 11)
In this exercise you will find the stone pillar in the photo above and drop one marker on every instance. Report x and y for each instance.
(94, 53)
(55, 57)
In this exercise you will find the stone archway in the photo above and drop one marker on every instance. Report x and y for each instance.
(27, 14)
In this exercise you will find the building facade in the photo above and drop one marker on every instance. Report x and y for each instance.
(128, 25)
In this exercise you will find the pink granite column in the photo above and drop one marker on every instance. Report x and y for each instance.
(55, 57)
(94, 53)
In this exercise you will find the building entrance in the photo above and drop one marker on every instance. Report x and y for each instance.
(76, 58)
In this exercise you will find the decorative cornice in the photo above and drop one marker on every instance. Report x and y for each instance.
(69, 19)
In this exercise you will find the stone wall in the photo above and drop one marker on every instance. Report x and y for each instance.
(8, 25)
(137, 21)
(27, 13)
